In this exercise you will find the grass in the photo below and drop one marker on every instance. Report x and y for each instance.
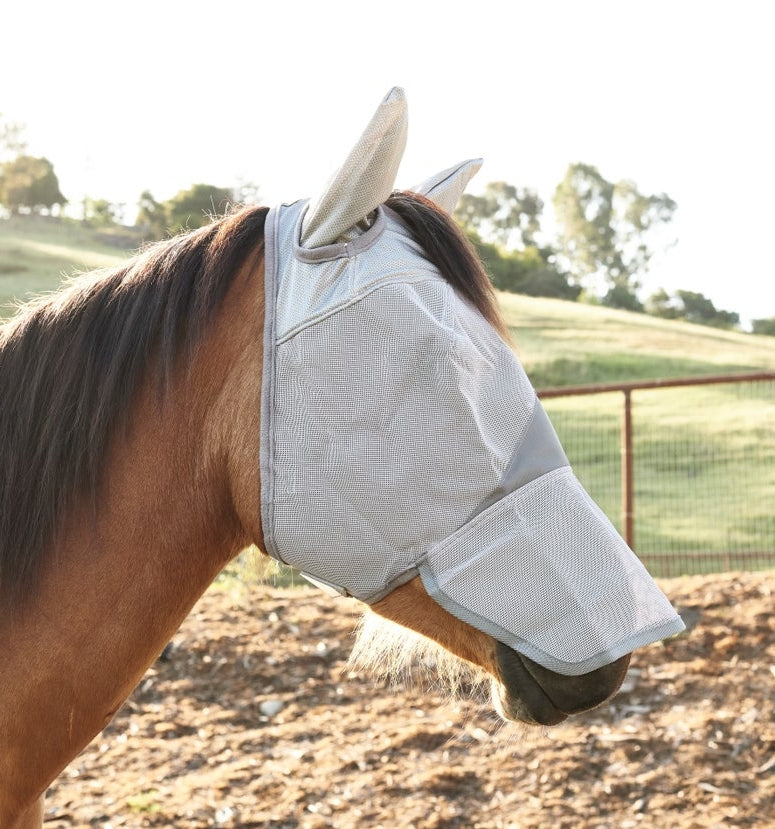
(705, 458)
(36, 254)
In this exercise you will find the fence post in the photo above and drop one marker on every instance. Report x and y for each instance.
(628, 511)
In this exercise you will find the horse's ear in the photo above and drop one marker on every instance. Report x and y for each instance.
(445, 188)
(366, 178)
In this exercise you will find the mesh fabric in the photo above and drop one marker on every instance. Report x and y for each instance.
(544, 571)
(401, 436)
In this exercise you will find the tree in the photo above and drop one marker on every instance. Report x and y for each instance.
(605, 229)
(29, 182)
(698, 308)
(622, 295)
(523, 271)
(692, 307)
(151, 216)
(196, 206)
(764, 326)
(504, 214)
(503, 223)
(186, 210)
(661, 304)
(101, 212)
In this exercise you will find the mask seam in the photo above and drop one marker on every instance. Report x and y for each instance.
(354, 300)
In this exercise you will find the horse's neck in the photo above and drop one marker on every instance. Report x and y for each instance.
(179, 497)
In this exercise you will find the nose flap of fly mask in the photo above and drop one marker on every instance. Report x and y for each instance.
(543, 571)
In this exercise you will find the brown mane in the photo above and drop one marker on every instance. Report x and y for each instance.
(71, 363)
(449, 250)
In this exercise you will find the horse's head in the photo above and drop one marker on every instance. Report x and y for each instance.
(406, 459)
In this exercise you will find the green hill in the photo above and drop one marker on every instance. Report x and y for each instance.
(37, 253)
(569, 343)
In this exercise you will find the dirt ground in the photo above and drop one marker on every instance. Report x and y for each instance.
(254, 720)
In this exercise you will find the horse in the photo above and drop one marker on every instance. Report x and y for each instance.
(132, 456)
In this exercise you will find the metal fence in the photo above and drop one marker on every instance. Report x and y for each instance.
(684, 468)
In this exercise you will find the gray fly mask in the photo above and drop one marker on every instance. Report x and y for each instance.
(401, 435)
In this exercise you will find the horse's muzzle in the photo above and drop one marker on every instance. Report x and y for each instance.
(530, 693)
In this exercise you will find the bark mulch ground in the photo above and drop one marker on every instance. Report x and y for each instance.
(254, 720)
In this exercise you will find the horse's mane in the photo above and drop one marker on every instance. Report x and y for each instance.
(70, 364)
(447, 248)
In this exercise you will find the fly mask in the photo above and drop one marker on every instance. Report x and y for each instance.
(401, 436)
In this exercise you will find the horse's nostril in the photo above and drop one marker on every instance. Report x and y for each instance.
(574, 694)
(538, 687)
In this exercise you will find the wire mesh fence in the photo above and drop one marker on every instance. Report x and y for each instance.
(701, 493)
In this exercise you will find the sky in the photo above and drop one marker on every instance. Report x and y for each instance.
(675, 96)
